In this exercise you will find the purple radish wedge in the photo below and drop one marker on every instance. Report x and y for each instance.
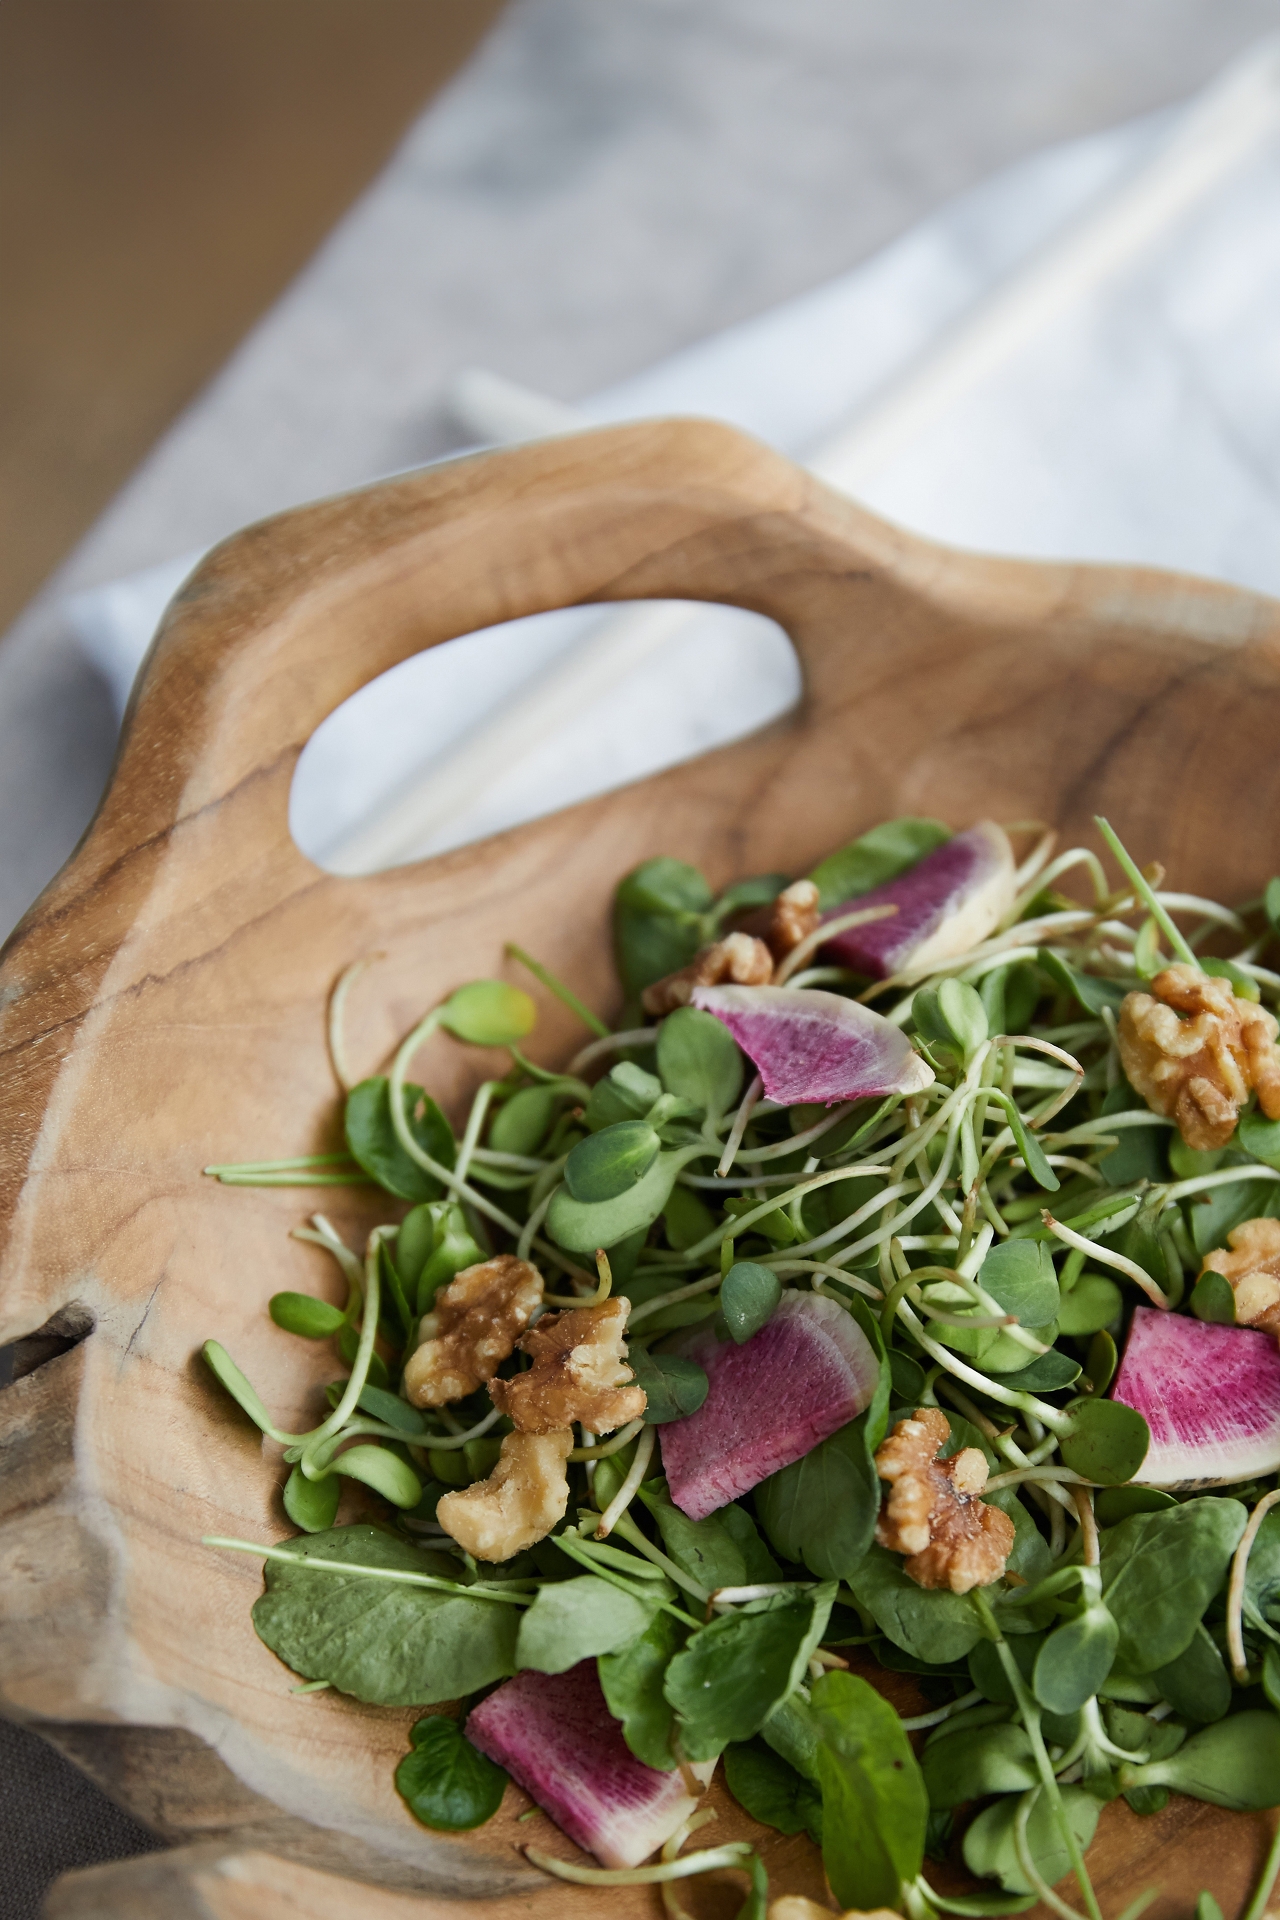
(816, 1047)
(555, 1736)
(1210, 1395)
(948, 902)
(807, 1373)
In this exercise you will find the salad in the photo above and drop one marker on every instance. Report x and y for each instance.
(895, 1288)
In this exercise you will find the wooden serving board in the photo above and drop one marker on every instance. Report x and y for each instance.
(162, 1007)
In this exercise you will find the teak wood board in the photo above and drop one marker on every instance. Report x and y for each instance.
(162, 1007)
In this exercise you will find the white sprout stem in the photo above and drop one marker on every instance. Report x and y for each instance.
(735, 1853)
(610, 1043)
(1207, 909)
(1228, 1177)
(1074, 857)
(1026, 1859)
(448, 1442)
(1235, 1591)
(475, 1120)
(1105, 1258)
(828, 930)
(1028, 934)
(736, 1227)
(1263, 975)
(922, 1720)
(336, 1022)
(364, 1348)
(529, 1231)
(741, 1121)
(321, 1233)
(614, 1444)
(751, 1156)
(1108, 1123)
(630, 1487)
(1029, 868)
(671, 1848)
(1068, 1060)
(405, 1578)
(1090, 1545)
(630, 1532)
(1040, 1476)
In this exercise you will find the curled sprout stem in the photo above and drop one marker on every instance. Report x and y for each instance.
(336, 1024)
(741, 1120)
(614, 1444)
(1106, 1258)
(1235, 1589)
(829, 930)
(630, 1486)
(735, 1853)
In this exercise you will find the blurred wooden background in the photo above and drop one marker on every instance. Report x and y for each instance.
(166, 167)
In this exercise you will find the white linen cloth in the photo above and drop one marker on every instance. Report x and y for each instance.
(1142, 423)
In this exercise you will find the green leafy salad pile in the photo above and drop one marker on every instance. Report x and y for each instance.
(990, 1235)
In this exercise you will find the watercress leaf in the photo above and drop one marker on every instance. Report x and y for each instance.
(687, 1219)
(792, 1730)
(748, 1296)
(1196, 1684)
(698, 1059)
(907, 1376)
(1271, 1674)
(930, 1623)
(386, 1643)
(582, 1226)
(1217, 1212)
(657, 920)
(977, 1761)
(574, 1620)
(1107, 1441)
(1074, 1660)
(758, 1562)
(228, 1375)
(303, 1314)
(1262, 1576)
(1019, 1274)
(704, 1549)
(1114, 1504)
(1093, 1303)
(1260, 1137)
(1094, 994)
(732, 1674)
(771, 1790)
(631, 1678)
(523, 1122)
(758, 890)
(611, 1162)
(1047, 1373)
(1213, 1299)
(821, 1511)
(874, 1805)
(1160, 1571)
(374, 1146)
(986, 1670)
(312, 1504)
(1235, 1763)
(877, 856)
(384, 1471)
(1101, 1362)
(990, 1850)
(444, 1781)
(674, 1387)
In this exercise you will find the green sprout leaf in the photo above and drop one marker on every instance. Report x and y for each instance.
(444, 1781)
(610, 1163)
(1093, 1303)
(303, 1314)
(382, 1470)
(1094, 995)
(990, 1849)
(698, 1059)
(1106, 1441)
(748, 1296)
(489, 1013)
(1019, 1276)
(580, 1226)
(523, 1122)
(1235, 1764)
(675, 1387)
(771, 1790)
(228, 1375)
(658, 921)
(1074, 1660)
(1213, 1299)
(312, 1504)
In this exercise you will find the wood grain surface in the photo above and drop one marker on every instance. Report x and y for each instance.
(162, 1007)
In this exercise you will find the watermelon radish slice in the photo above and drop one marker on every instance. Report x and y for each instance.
(1210, 1395)
(812, 1046)
(555, 1735)
(947, 903)
(807, 1373)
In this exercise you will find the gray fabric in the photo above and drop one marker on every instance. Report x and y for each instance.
(601, 186)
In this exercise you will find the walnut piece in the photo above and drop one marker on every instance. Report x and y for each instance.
(788, 920)
(475, 1324)
(579, 1372)
(1253, 1268)
(523, 1498)
(933, 1513)
(739, 960)
(1198, 1070)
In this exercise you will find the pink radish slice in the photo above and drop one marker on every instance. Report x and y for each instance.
(1210, 1395)
(808, 1371)
(814, 1046)
(948, 902)
(555, 1736)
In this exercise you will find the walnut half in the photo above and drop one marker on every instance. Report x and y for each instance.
(933, 1513)
(579, 1372)
(1253, 1268)
(788, 920)
(1198, 1070)
(739, 960)
(475, 1324)
(523, 1498)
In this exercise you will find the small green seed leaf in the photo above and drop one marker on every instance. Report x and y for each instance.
(229, 1375)
(489, 1013)
(385, 1472)
(611, 1162)
(1213, 1298)
(312, 1504)
(1107, 1441)
(303, 1314)
(748, 1296)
